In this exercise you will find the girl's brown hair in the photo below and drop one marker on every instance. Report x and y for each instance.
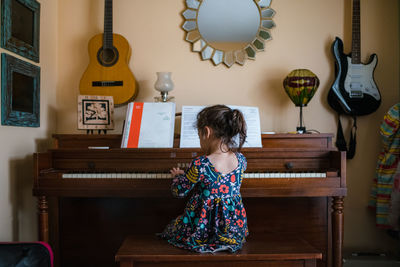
(227, 124)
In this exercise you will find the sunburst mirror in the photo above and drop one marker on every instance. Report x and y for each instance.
(228, 31)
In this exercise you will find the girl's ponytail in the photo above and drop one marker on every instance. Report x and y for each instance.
(239, 127)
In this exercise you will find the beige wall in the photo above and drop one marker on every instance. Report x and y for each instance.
(17, 205)
(302, 39)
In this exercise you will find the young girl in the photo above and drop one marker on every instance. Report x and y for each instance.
(214, 218)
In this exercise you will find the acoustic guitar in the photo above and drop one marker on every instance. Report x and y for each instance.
(354, 91)
(108, 73)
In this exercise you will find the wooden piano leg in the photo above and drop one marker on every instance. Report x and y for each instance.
(43, 219)
(337, 230)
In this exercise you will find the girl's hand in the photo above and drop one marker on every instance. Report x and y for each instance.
(176, 171)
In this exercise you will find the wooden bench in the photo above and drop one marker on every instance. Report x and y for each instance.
(259, 250)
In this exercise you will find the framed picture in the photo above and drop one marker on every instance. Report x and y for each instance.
(20, 24)
(95, 112)
(20, 92)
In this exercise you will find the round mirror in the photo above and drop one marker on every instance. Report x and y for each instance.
(228, 31)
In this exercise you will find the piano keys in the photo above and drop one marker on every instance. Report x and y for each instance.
(149, 175)
(80, 181)
(73, 171)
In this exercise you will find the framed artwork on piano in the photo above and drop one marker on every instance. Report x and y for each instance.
(20, 27)
(20, 92)
(95, 112)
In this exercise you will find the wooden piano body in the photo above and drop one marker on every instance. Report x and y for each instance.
(86, 219)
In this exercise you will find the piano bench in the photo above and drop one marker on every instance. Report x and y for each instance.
(259, 250)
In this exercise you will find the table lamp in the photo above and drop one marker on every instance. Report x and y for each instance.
(301, 85)
(164, 85)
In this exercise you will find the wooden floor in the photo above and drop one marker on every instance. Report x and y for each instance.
(261, 250)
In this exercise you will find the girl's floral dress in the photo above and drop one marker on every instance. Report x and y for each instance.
(214, 218)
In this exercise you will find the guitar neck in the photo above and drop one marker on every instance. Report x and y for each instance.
(108, 25)
(356, 36)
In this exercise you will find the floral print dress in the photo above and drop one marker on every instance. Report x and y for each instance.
(214, 218)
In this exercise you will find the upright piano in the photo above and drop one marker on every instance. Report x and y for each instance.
(92, 194)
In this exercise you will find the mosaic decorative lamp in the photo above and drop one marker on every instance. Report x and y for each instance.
(301, 85)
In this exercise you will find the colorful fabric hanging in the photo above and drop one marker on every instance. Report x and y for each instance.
(386, 168)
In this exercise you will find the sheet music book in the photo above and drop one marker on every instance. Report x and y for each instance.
(189, 137)
(149, 125)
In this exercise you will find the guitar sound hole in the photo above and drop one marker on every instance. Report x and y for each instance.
(107, 56)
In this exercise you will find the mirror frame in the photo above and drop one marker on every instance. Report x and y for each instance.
(207, 51)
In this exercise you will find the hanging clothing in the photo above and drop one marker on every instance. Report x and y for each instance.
(386, 168)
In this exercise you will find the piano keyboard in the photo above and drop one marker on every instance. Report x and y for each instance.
(167, 175)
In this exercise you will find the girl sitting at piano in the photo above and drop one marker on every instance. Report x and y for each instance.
(214, 218)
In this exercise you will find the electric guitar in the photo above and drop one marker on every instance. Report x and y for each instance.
(108, 73)
(354, 91)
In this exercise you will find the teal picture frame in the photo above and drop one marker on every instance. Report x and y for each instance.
(20, 27)
(20, 92)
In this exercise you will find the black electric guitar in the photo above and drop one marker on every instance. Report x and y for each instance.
(354, 91)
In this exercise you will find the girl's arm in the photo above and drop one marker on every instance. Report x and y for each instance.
(184, 181)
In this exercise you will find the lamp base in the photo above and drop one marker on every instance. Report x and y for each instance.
(164, 97)
(301, 130)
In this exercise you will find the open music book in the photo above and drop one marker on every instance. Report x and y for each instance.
(149, 125)
(189, 137)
